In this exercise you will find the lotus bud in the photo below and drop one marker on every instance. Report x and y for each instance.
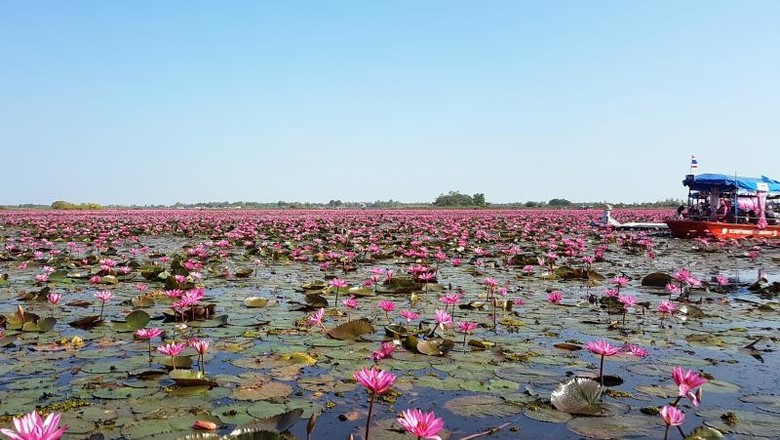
(312, 423)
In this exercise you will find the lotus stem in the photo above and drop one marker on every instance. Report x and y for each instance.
(601, 371)
(368, 418)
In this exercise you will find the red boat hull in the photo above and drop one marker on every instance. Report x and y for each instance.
(697, 228)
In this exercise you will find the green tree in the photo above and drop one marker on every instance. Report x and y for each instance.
(479, 199)
(559, 202)
(453, 199)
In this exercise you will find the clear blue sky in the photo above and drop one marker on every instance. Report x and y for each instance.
(135, 102)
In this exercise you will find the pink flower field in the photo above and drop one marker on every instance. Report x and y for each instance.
(451, 324)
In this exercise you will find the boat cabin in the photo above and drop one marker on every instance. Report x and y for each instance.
(732, 199)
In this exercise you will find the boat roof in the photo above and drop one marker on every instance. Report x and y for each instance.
(723, 182)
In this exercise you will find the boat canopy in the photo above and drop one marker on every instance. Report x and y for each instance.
(724, 183)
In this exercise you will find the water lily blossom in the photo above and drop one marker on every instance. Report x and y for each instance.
(103, 296)
(54, 299)
(466, 328)
(687, 382)
(200, 346)
(602, 348)
(32, 427)
(423, 425)
(409, 315)
(671, 417)
(387, 306)
(555, 297)
(172, 350)
(443, 319)
(316, 319)
(376, 382)
(148, 334)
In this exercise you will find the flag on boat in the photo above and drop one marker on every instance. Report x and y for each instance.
(694, 163)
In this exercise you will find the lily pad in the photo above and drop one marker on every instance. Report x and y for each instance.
(481, 406)
(352, 329)
(189, 378)
(622, 426)
(742, 422)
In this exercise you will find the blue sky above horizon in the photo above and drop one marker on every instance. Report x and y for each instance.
(164, 102)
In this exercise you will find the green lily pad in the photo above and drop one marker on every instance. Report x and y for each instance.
(352, 329)
(619, 426)
(481, 406)
(257, 302)
(189, 378)
(744, 422)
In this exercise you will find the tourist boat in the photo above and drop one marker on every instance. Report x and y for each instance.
(724, 207)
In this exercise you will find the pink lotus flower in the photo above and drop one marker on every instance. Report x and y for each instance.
(636, 351)
(387, 305)
(376, 382)
(423, 425)
(602, 348)
(316, 319)
(443, 319)
(350, 303)
(722, 280)
(54, 298)
(671, 416)
(385, 350)
(619, 281)
(103, 296)
(491, 283)
(200, 346)
(148, 334)
(611, 292)
(628, 301)
(666, 307)
(686, 382)
(32, 427)
(337, 283)
(450, 299)
(555, 297)
(172, 350)
(467, 327)
(682, 275)
(409, 315)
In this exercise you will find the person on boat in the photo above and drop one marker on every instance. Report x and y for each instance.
(680, 212)
(606, 217)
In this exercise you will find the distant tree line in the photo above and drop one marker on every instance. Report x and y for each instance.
(456, 199)
(452, 199)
